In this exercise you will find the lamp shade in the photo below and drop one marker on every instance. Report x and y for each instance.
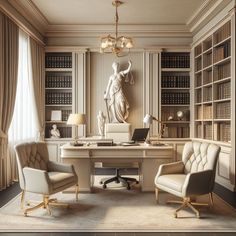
(76, 119)
(148, 119)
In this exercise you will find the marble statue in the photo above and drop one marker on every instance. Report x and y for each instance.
(117, 104)
(101, 118)
(55, 133)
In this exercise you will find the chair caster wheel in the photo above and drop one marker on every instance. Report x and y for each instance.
(104, 186)
(175, 215)
(128, 187)
(25, 214)
(101, 182)
(137, 182)
(117, 181)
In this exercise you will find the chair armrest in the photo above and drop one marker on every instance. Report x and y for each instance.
(36, 181)
(198, 183)
(171, 168)
(58, 167)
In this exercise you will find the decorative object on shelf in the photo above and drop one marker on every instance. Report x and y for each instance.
(119, 45)
(55, 133)
(116, 102)
(148, 119)
(180, 115)
(170, 118)
(56, 115)
(76, 119)
(101, 118)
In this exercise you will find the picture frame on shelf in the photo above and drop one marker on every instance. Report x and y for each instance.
(56, 115)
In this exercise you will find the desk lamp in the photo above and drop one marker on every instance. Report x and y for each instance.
(148, 119)
(76, 119)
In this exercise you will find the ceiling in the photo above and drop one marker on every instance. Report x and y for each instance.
(74, 12)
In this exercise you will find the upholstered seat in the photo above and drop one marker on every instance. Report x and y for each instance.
(193, 176)
(39, 175)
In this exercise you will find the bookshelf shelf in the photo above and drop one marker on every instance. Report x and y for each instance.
(58, 93)
(212, 86)
(198, 72)
(175, 95)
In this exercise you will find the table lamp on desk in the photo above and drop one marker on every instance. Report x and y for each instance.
(76, 119)
(148, 119)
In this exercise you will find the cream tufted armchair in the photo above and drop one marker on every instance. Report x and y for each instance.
(193, 176)
(39, 175)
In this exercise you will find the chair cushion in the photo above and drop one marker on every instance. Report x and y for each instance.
(59, 179)
(173, 181)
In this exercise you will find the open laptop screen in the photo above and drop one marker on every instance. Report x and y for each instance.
(140, 134)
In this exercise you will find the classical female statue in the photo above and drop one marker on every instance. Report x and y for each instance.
(55, 133)
(117, 104)
(101, 123)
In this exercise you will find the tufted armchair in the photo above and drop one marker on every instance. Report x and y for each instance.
(193, 176)
(39, 175)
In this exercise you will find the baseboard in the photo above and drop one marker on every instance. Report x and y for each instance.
(225, 194)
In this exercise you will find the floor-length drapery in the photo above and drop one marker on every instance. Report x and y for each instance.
(9, 37)
(37, 74)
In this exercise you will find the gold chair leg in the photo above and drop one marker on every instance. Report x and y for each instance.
(33, 208)
(193, 209)
(157, 195)
(180, 208)
(46, 204)
(22, 199)
(211, 199)
(76, 192)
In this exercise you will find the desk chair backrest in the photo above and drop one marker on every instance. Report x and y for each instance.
(34, 155)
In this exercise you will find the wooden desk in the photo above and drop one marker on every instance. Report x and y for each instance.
(148, 157)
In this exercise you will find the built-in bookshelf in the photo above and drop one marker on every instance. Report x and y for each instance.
(212, 86)
(58, 92)
(175, 96)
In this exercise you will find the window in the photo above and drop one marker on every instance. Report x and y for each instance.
(23, 125)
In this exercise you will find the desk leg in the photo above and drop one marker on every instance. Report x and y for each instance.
(83, 169)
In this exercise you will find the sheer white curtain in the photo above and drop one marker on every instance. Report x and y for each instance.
(23, 125)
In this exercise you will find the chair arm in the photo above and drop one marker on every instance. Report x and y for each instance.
(171, 168)
(58, 167)
(36, 181)
(198, 183)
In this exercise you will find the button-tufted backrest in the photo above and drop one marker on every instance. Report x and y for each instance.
(34, 155)
(199, 156)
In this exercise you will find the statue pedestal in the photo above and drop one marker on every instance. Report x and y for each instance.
(119, 132)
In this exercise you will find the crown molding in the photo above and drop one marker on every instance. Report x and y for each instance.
(205, 13)
(31, 12)
(128, 29)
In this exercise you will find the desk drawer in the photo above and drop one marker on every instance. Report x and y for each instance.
(164, 153)
(116, 153)
(74, 153)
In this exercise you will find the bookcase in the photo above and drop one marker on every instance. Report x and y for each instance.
(58, 92)
(212, 86)
(175, 94)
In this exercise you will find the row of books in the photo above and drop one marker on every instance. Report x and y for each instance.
(178, 132)
(198, 96)
(56, 81)
(169, 81)
(65, 132)
(175, 61)
(58, 98)
(208, 131)
(199, 131)
(224, 90)
(207, 59)
(175, 98)
(198, 80)
(223, 110)
(207, 94)
(207, 44)
(222, 132)
(222, 52)
(198, 50)
(223, 33)
(58, 61)
(204, 112)
(222, 71)
(65, 114)
(207, 77)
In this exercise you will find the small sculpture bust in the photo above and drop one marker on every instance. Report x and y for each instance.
(55, 133)
(101, 123)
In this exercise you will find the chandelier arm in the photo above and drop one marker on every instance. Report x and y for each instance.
(117, 20)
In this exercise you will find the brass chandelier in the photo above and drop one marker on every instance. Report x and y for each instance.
(120, 45)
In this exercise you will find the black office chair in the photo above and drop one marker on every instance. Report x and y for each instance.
(119, 179)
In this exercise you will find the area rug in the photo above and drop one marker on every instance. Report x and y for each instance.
(117, 209)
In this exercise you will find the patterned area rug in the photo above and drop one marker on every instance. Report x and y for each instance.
(117, 209)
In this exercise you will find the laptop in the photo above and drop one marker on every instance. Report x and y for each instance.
(139, 135)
